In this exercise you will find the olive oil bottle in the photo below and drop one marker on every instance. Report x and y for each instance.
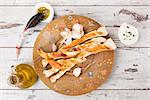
(22, 76)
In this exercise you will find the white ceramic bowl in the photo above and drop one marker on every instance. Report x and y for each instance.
(48, 6)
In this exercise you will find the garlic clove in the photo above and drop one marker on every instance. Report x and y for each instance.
(77, 72)
(54, 47)
(77, 31)
(67, 30)
(77, 27)
(64, 34)
(76, 35)
(44, 63)
(68, 40)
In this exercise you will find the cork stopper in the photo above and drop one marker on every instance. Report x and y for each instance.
(13, 80)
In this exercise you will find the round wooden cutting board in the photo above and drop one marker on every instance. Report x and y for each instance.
(95, 70)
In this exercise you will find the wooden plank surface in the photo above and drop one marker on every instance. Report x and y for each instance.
(131, 69)
(107, 15)
(12, 23)
(78, 2)
(95, 95)
(130, 77)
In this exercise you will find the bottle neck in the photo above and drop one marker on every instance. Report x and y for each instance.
(14, 79)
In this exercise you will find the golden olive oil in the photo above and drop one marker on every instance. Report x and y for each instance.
(23, 76)
(44, 11)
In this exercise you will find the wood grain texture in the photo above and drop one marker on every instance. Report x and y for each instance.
(132, 62)
(106, 15)
(78, 2)
(81, 85)
(131, 69)
(95, 95)
(111, 18)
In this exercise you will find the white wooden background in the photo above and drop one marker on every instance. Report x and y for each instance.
(130, 79)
